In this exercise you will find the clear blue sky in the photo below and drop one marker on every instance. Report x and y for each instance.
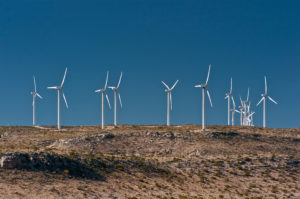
(149, 41)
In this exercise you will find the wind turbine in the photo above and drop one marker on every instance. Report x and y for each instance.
(169, 99)
(59, 90)
(116, 92)
(228, 97)
(34, 94)
(249, 119)
(103, 92)
(264, 97)
(203, 86)
(241, 107)
(233, 111)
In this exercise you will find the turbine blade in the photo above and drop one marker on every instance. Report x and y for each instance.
(233, 102)
(34, 84)
(272, 100)
(248, 94)
(120, 79)
(52, 87)
(266, 86)
(106, 80)
(107, 101)
(174, 85)
(65, 99)
(209, 98)
(97, 91)
(260, 101)
(165, 85)
(198, 86)
(226, 97)
(237, 111)
(120, 100)
(230, 85)
(63, 80)
(251, 114)
(39, 96)
(171, 103)
(208, 74)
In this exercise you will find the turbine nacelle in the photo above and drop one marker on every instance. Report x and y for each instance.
(100, 91)
(228, 95)
(113, 88)
(263, 95)
(201, 86)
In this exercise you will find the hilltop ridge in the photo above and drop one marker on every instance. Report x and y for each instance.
(149, 161)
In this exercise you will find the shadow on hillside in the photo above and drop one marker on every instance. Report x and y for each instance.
(52, 163)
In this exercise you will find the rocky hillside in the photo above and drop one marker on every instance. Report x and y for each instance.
(149, 162)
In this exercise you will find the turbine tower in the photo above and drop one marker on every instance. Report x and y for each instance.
(228, 97)
(203, 86)
(264, 97)
(34, 95)
(116, 92)
(103, 92)
(169, 90)
(59, 91)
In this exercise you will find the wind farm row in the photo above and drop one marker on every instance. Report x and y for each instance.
(244, 109)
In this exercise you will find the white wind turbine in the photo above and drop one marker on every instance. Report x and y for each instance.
(59, 89)
(228, 97)
(169, 99)
(103, 92)
(116, 92)
(34, 95)
(233, 111)
(241, 107)
(264, 96)
(249, 119)
(203, 86)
